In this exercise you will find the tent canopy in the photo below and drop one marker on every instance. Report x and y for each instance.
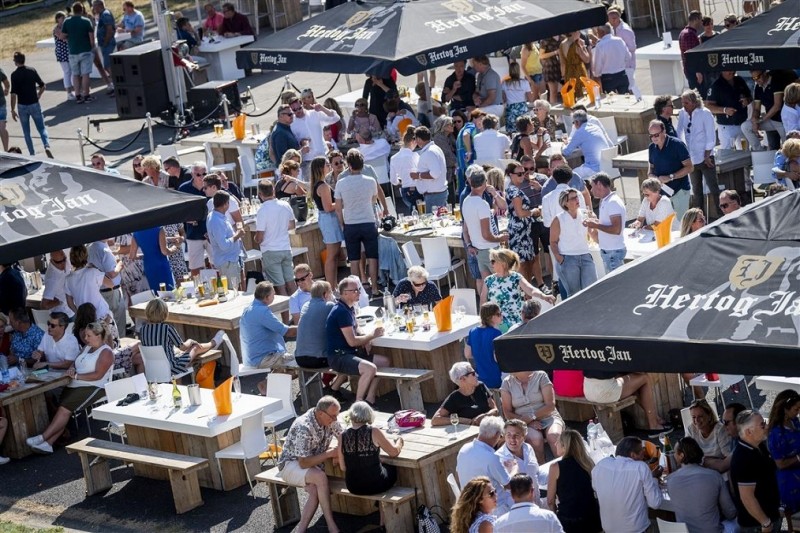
(375, 36)
(725, 299)
(770, 40)
(45, 205)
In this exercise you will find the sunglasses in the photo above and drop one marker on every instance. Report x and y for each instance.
(689, 127)
(571, 198)
(529, 169)
(51, 325)
(200, 173)
(520, 173)
(288, 114)
(338, 163)
(97, 164)
(655, 135)
(726, 422)
(296, 108)
(724, 206)
(469, 374)
(61, 262)
(298, 280)
(492, 493)
(419, 284)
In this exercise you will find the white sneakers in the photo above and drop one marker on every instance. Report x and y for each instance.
(38, 444)
(4, 460)
(218, 338)
(70, 96)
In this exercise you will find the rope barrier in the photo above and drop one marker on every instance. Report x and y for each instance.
(102, 149)
(196, 122)
(256, 115)
(326, 93)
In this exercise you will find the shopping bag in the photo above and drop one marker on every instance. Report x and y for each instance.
(568, 92)
(444, 320)
(205, 376)
(222, 398)
(238, 124)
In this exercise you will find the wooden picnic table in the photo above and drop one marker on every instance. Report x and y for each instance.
(201, 323)
(26, 411)
(192, 430)
(428, 456)
(305, 234)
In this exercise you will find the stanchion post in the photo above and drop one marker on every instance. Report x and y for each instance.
(225, 110)
(80, 144)
(149, 120)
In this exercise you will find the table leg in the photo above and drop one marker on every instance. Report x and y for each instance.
(440, 360)
(313, 241)
(27, 418)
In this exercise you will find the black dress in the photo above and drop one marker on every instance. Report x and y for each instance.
(365, 474)
(578, 510)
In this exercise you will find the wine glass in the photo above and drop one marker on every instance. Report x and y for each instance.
(454, 422)
(460, 312)
(394, 430)
(379, 314)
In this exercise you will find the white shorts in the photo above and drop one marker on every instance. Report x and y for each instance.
(196, 253)
(602, 390)
(294, 474)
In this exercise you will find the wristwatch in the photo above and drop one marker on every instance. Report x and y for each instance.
(534, 417)
(672, 176)
(766, 524)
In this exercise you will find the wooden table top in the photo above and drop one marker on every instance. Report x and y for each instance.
(226, 140)
(726, 160)
(36, 384)
(777, 383)
(221, 316)
(421, 340)
(619, 105)
(34, 299)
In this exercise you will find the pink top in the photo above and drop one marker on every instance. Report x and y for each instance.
(213, 23)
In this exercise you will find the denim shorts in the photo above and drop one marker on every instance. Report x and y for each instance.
(81, 64)
(330, 228)
(105, 53)
(537, 78)
(3, 113)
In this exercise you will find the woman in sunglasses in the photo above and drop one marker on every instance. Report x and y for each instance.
(362, 118)
(473, 510)
(471, 401)
(415, 289)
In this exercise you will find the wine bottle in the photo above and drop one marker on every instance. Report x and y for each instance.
(176, 395)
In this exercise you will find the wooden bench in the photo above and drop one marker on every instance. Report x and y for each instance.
(607, 413)
(396, 503)
(182, 468)
(407, 381)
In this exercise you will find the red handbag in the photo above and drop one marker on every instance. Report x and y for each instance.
(409, 418)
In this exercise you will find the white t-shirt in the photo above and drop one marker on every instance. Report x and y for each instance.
(66, 349)
(515, 91)
(572, 240)
(233, 206)
(490, 147)
(54, 280)
(310, 127)
(610, 206)
(662, 210)
(357, 193)
(401, 165)
(473, 210)
(84, 286)
(431, 159)
(274, 218)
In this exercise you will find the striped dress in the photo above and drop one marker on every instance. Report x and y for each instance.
(165, 335)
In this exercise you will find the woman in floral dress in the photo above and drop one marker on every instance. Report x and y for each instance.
(133, 280)
(551, 66)
(520, 218)
(176, 261)
(507, 288)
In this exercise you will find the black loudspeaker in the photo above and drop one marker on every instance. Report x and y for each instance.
(206, 97)
(140, 65)
(135, 101)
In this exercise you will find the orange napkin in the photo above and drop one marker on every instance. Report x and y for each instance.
(568, 92)
(590, 84)
(663, 231)
(222, 398)
(205, 376)
(444, 321)
(238, 126)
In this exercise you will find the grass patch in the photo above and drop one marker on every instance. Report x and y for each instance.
(11, 527)
(21, 31)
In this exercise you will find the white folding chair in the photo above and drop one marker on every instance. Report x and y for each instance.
(411, 255)
(251, 286)
(140, 298)
(237, 368)
(156, 365)
(167, 150)
(467, 298)
(115, 391)
(40, 318)
(225, 167)
(247, 165)
(611, 129)
(390, 206)
(671, 527)
(437, 259)
(381, 166)
(252, 443)
(451, 480)
(279, 386)
(763, 162)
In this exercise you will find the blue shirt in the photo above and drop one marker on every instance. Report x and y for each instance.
(590, 139)
(341, 316)
(195, 231)
(282, 139)
(297, 300)
(224, 249)
(261, 333)
(481, 341)
(132, 21)
(550, 185)
(24, 344)
(101, 256)
(106, 19)
(669, 160)
(313, 317)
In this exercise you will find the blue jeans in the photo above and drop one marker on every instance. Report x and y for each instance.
(410, 197)
(576, 273)
(432, 199)
(613, 259)
(33, 111)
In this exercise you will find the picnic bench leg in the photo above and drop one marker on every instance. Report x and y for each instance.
(285, 505)
(410, 395)
(612, 423)
(398, 517)
(310, 388)
(96, 472)
(185, 490)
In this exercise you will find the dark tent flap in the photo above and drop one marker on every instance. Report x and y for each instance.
(713, 302)
(374, 37)
(45, 205)
(768, 41)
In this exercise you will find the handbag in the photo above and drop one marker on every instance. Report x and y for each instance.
(426, 523)
(409, 418)
(299, 206)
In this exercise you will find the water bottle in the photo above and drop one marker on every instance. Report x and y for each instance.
(388, 303)
(597, 100)
(591, 434)
(237, 387)
(414, 214)
(4, 376)
(23, 369)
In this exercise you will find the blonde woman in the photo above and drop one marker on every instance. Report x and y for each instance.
(151, 168)
(289, 183)
(362, 118)
(532, 66)
(516, 95)
(693, 219)
(570, 482)
(332, 235)
(655, 206)
(568, 235)
(472, 512)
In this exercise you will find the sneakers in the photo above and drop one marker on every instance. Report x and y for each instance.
(32, 441)
(78, 99)
(110, 89)
(545, 289)
(4, 460)
(89, 98)
(218, 338)
(70, 96)
(42, 447)
(48, 152)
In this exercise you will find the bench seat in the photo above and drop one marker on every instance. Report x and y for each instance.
(182, 468)
(607, 413)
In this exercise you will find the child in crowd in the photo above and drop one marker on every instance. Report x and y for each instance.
(480, 347)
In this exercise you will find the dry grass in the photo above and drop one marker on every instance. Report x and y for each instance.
(21, 31)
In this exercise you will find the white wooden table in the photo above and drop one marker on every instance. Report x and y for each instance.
(777, 383)
(666, 69)
(221, 55)
(196, 431)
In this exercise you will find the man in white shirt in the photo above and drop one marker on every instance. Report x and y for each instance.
(477, 458)
(401, 165)
(591, 140)
(213, 184)
(273, 222)
(476, 212)
(624, 32)
(611, 223)
(59, 347)
(625, 487)
(550, 207)
(698, 129)
(431, 174)
(307, 128)
(375, 153)
(610, 58)
(491, 145)
(101, 256)
(524, 515)
(53, 297)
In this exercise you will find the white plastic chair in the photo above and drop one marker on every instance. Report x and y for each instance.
(279, 386)
(411, 255)
(167, 150)
(381, 166)
(437, 259)
(465, 297)
(139, 382)
(451, 480)
(156, 365)
(611, 129)
(247, 164)
(390, 206)
(251, 286)
(671, 527)
(252, 443)
(225, 167)
(140, 298)
(115, 391)
(763, 162)
(40, 318)
(237, 368)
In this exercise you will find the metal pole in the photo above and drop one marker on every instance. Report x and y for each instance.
(225, 110)
(80, 144)
(149, 120)
(349, 87)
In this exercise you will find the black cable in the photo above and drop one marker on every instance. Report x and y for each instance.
(120, 149)
(256, 115)
(326, 93)
(196, 122)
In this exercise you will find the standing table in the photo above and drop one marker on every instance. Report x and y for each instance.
(221, 55)
(192, 430)
(666, 69)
